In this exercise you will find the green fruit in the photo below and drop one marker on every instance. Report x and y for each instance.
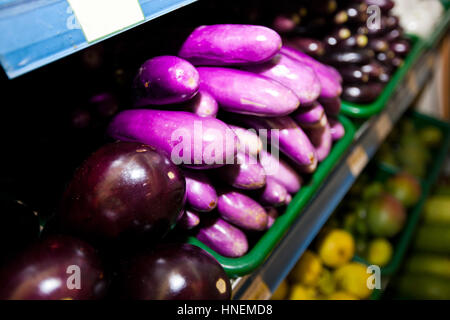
(430, 136)
(372, 190)
(435, 239)
(386, 216)
(437, 210)
(405, 188)
(327, 283)
(349, 222)
(415, 286)
(430, 264)
(361, 227)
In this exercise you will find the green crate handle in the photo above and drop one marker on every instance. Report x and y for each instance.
(256, 256)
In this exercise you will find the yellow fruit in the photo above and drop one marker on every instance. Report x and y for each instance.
(281, 292)
(336, 248)
(341, 295)
(307, 270)
(326, 284)
(352, 278)
(301, 292)
(379, 252)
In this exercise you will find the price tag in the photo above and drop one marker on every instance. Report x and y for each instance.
(383, 126)
(100, 18)
(411, 83)
(258, 290)
(357, 160)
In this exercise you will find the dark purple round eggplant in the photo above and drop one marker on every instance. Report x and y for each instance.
(397, 62)
(400, 47)
(385, 57)
(353, 13)
(174, 272)
(387, 23)
(378, 44)
(353, 74)
(394, 34)
(285, 23)
(363, 93)
(341, 58)
(353, 42)
(20, 226)
(311, 47)
(57, 268)
(105, 104)
(124, 190)
(376, 71)
(336, 36)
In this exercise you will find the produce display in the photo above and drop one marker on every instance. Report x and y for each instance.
(344, 35)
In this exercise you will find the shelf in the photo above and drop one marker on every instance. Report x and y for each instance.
(261, 283)
(35, 33)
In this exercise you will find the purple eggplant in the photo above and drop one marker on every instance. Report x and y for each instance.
(353, 42)
(364, 93)
(165, 80)
(189, 220)
(288, 199)
(230, 44)
(291, 139)
(344, 58)
(245, 174)
(378, 44)
(203, 105)
(298, 77)
(322, 141)
(310, 116)
(337, 130)
(394, 34)
(200, 193)
(187, 138)
(376, 71)
(280, 171)
(329, 82)
(272, 214)
(273, 193)
(284, 23)
(310, 46)
(353, 74)
(400, 47)
(249, 142)
(384, 5)
(223, 238)
(332, 106)
(247, 93)
(242, 211)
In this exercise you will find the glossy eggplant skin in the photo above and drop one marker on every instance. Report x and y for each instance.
(174, 272)
(273, 194)
(353, 74)
(47, 271)
(165, 80)
(245, 174)
(364, 93)
(125, 190)
(341, 58)
(400, 47)
(384, 5)
(230, 44)
(312, 47)
(203, 105)
(189, 220)
(376, 71)
(223, 238)
(352, 42)
(21, 226)
(336, 128)
(200, 193)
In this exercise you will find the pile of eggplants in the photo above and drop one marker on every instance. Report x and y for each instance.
(344, 34)
(243, 89)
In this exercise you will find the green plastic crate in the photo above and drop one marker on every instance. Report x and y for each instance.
(259, 252)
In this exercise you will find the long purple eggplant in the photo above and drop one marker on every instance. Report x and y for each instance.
(223, 238)
(187, 138)
(298, 77)
(273, 193)
(203, 105)
(200, 193)
(272, 214)
(337, 130)
(245, 174)
(242, 211)
(309, 116)
(292, 141)
(189, 220)
(247, 93)
(329, 81)
(249, 142)
(165, 80)
(322, 141)
(230, 44)
(280, 171)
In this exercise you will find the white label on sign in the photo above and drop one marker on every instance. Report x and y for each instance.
(99, 18)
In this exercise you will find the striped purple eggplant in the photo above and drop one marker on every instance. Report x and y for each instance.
(309, 116)
(272, 214)
(249, 142)
(322, 141)
(337, 130)
(223, 238)
(242, 211)
(273, 194)
(189, 220)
